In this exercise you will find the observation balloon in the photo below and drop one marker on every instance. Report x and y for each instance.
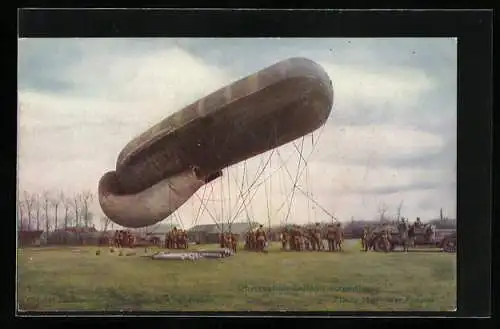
(162, 168)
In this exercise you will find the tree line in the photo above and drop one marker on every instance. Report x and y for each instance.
(51, 211)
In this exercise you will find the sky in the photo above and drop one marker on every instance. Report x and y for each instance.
(390, 139)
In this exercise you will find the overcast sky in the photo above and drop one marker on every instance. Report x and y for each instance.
(391, 136)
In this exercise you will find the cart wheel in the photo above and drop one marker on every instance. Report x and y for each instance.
(450, 245)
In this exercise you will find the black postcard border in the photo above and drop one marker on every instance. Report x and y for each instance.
(473, 28)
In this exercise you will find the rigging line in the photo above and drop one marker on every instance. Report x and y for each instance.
(248, 190)
(229, 195)
(206, 208)
(308, 158)
(242, 182)
(222, 200)
(291, 178)
(240, 191)
(271, 199)
(267, 201)
(259, 173)
(308, 201)
(284, 165)
(244, 204)
(282, 189)
(198, 214)
(268, 177)
(283, 185)
(294, 184)
(315, 202)
(248, 211)
(176, 217)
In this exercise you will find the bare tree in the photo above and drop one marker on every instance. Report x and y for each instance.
(105, 221)
(85, 198)
(398, 213)
(67, 203)
(20, 213)
(45, 198)
(382, 210)
(37, 205)
(55, 202)
(28, 203)
(22, 220)
(76, 205)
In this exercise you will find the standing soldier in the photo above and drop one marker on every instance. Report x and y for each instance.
(299, 243)
(368, 239)
(330, 236)
(222, 240)
(307, 241)
(174, 238)
(339, 237)
(363, 238)
(261, 238)
(131, 240)
(284, 238)
(291, 240)
(318, 241)
(385, 240)
(234, 242)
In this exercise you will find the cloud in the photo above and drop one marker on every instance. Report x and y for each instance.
(391, 135)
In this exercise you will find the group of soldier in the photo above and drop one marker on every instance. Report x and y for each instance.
(176, 239)
(228, 240)
(256, 240)
(122, 239)
(299, 238)
(406, 231)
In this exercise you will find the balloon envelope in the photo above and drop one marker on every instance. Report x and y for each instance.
(163, 167)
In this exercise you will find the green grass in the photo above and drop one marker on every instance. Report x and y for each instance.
(59, 279)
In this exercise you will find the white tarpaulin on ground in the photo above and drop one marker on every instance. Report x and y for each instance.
(221, 253)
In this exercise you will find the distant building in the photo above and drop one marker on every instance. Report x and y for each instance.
(210, 233)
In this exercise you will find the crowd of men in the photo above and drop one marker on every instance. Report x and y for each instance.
(228, 240)
(256, 240)
(406, 233)
(122, 239)
(293, 238)
(299, 238)
(176, 239)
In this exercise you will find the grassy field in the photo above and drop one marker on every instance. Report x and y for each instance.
(62, 279)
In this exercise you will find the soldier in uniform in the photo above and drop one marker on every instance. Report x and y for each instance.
(307, 242)
(131, 240)
(247, 240)
(363, 238)
(318, 241)
(368, 240)
(385, 239)
(234, 242)
(284, 238)
(120, 239)
(222, 240)
(174, 238)
(261, 238)
(330, 236)
(167, 240)
(298, 241)
(291, 240)
(339, 237)
(418, 223)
